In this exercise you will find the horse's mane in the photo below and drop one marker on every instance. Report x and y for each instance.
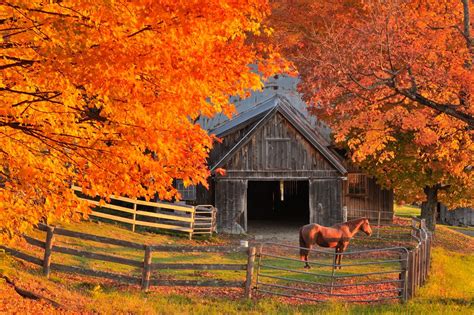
(352, 223)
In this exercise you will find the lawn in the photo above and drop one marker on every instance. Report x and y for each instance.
(450, 288)
(406, 211)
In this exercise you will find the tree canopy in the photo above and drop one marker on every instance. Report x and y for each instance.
(104, 94)
(395, 81)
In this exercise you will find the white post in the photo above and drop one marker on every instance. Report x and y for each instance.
(344, 214)
(134, 216)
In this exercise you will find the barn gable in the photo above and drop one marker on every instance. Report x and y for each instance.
(275, 137)
(278, 146)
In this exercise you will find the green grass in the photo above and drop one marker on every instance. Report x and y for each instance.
(463, 228)
(450, 288)
(406, 211)
(115, 231)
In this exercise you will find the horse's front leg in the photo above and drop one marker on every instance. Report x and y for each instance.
(336, 256)
(340, 258)
(341, 250)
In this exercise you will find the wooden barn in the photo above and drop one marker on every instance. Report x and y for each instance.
(456, 217)
(280, 168)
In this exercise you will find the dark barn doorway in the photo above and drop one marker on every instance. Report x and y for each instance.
(278, 202)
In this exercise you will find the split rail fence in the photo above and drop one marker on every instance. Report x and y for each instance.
(146, 265)
(393, 273)
(193, 220)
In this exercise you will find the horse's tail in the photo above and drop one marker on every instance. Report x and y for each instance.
(303, 247)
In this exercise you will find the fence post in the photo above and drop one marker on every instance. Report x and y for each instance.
(250, 267)
(259, 255)
(410, 278)
(191, 225)
(404, 261)
(146, 268)
(417, 267)
(48, 249)
(134, 216)
(333, 271)
(214, 219)
(378, 224)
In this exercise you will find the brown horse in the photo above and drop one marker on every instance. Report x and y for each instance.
(336, 236)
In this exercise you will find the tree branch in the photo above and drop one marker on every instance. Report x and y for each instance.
(447, 109)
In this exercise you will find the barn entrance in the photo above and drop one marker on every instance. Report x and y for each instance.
(277, 203)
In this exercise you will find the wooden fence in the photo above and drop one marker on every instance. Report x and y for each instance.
(419, 258)
(146, 265)
(409, 267)
(193, 220)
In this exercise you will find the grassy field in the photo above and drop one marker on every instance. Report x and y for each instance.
(406, 211)
(450, 288)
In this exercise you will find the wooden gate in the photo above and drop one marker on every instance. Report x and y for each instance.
(371, 275)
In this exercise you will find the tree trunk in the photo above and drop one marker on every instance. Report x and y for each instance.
(429, 207)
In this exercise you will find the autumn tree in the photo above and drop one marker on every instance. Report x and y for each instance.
(103, 94)
(395, 81)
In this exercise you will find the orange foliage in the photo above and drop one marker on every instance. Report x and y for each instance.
(104, 94)
(395, 81)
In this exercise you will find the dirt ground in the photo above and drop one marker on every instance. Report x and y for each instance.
(282, 232)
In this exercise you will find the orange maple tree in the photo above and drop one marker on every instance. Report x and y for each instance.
(395, 81)
(104, 94)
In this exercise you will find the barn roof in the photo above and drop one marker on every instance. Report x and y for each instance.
(259, 114)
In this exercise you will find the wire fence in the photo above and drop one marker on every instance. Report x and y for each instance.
(368, 276)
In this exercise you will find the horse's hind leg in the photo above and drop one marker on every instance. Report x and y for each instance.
(306, 254)
(307, 266)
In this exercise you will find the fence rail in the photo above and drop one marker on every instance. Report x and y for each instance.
(193, 220)
(397, 275)
(146, 265)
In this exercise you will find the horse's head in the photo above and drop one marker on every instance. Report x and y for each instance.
(366, 227)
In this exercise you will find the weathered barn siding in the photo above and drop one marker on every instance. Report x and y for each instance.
(325, 196)
(228, 141)
(456, 217)
(277, 150)
(376, 200)
(231, 202)
(205, 196)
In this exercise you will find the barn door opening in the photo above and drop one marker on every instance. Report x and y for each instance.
(282, 203)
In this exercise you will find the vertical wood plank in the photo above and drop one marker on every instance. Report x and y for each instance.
(312, 207)
(134, 216)
(410, 279)
(244, 204)
(48, 250)
(378, 223)
(250, 267)
(404, 263)
(146, 269)
(191, 224)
